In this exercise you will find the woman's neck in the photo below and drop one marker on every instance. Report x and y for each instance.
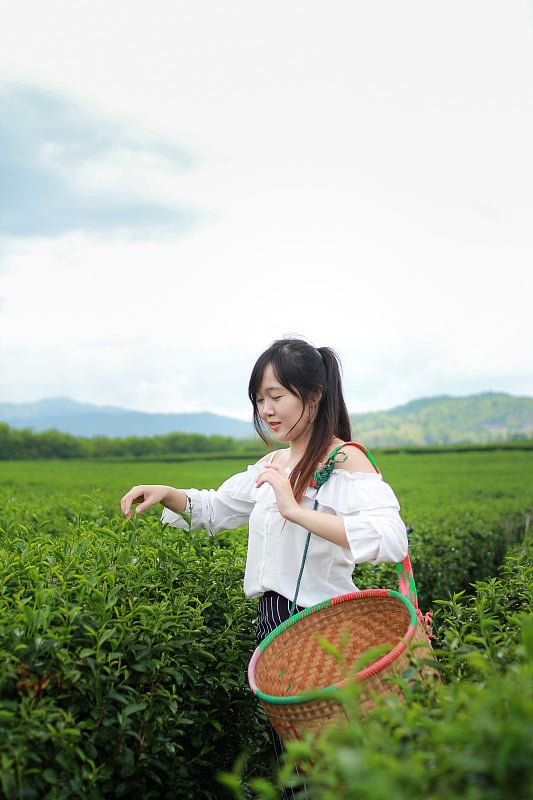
(293, 454)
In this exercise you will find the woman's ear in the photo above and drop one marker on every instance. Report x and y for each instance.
(315, 398)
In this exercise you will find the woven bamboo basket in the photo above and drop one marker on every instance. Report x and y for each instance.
(290, 665)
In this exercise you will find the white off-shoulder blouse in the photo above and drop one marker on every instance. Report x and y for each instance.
(367, 504)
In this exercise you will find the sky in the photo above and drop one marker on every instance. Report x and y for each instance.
(181, 183)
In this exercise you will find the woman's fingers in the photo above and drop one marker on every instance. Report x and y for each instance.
(136, 494)
(277, 478)
(271, 474)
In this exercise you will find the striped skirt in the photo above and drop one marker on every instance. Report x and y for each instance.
(272, 610)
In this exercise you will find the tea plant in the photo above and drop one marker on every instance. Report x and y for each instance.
(123, 654)
(124, 645)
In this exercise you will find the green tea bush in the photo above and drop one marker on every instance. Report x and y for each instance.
(123, 653)
(124, 646)
(482, 628)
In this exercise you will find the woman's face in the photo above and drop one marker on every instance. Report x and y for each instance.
(281, 410)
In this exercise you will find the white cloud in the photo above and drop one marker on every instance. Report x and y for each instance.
(362, 175)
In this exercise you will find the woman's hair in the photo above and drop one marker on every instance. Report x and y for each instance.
(305, 371)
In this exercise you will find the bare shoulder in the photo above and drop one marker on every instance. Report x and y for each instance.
(355, 460)
(271, 458)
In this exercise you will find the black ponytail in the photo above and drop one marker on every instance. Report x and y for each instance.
(332, 405)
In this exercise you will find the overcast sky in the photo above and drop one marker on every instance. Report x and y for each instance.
(183, 182)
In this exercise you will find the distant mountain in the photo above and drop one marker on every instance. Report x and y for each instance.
(480, 418)
(487, 417)
(83, 419)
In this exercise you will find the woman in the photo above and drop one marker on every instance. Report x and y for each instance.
(297, 398)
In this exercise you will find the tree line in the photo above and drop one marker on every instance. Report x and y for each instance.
(21, 444)
(24, 444)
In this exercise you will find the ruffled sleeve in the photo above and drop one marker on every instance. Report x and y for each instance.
(371, 513)
(221, 509)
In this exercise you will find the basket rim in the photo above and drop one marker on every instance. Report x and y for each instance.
(380, 664)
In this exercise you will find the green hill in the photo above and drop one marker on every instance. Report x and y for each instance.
(482, 418)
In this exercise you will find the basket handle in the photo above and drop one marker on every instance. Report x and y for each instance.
(407, 587)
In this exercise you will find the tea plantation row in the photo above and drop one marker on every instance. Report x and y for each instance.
(123, 646)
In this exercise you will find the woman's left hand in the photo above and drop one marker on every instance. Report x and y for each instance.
(277, 478)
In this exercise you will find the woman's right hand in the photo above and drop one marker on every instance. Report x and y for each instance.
(145, 495)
